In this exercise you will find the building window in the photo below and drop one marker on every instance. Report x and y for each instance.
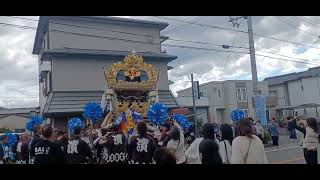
(273, 93)
(46, 84)
(219, 94)
(245, 112)
(241, 94)
(203, 94)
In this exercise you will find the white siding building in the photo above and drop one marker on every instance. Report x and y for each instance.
(296, 92)
(225, 96)
(74, 50)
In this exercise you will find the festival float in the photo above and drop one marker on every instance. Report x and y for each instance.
(131, 91)
(131, 96)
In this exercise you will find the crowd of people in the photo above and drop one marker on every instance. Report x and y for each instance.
(241, 143)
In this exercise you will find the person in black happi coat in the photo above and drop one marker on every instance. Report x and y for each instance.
(46, 151)
(115, 147)
(142, 146)
(78, 150)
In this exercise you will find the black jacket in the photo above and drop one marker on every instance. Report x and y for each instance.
(35, 139)
(63, 145)
(291, 125)
(210, 152)
(138, 155)
(23, 155)
(47, 152)
(78, 151)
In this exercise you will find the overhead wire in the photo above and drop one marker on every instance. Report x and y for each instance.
(172, 45)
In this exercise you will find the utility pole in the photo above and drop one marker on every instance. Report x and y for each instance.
(252, 57)
(194, 108)
(235, 23)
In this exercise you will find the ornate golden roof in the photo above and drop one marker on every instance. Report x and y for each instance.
(131, 74)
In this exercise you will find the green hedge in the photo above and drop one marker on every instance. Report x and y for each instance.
(266, 137)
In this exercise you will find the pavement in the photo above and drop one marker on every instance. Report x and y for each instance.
(287, 153)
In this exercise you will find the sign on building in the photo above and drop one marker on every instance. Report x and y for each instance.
(196, 89)
(260, 107)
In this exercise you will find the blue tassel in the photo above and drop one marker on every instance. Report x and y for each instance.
(12, 139)
(73, 123)
(93, 111)
(157, 114)
(181, 120)
(34, 120)
(236, 115)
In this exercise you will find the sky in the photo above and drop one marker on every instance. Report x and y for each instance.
(19, 67)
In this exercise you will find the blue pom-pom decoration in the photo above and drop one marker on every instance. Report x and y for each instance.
(12, 139)
(73, 123)
(93, 111)
(236, 115)
(34, 120)
(181, 120)
(157, 114)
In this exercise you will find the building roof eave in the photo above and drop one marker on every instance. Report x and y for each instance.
(104, 53)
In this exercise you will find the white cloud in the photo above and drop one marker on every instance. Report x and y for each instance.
(19, 69)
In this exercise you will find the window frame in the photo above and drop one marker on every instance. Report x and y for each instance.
(243, 96)
(203, 93)
(219, 93)
(246, 111)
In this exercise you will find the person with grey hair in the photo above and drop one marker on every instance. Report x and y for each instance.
(22, 149)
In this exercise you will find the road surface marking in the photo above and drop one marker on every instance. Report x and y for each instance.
(274, 150)
(288, 161)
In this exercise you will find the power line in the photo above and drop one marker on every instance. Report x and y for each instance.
(304, 19)
(296, 25)
(201, 48)
(18, 26)
(234, 39)
(36, 20)
(199, 42)
(179, 28)
(170, 39)
(93, 28)
(199, 24)
(210, 49)
(303, 62)
(283, 55)
(256, 34)
(311, 19)
(183, 21)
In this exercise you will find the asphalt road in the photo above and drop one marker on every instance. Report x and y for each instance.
(287, 153)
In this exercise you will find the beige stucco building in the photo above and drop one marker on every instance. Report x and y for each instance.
(15, 119)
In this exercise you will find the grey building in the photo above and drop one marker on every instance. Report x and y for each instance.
(202, 108)
(295, 92)
(15, 118)
(74, 50)
(225, 96)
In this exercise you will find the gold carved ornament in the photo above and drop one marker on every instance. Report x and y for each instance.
(132, 65)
